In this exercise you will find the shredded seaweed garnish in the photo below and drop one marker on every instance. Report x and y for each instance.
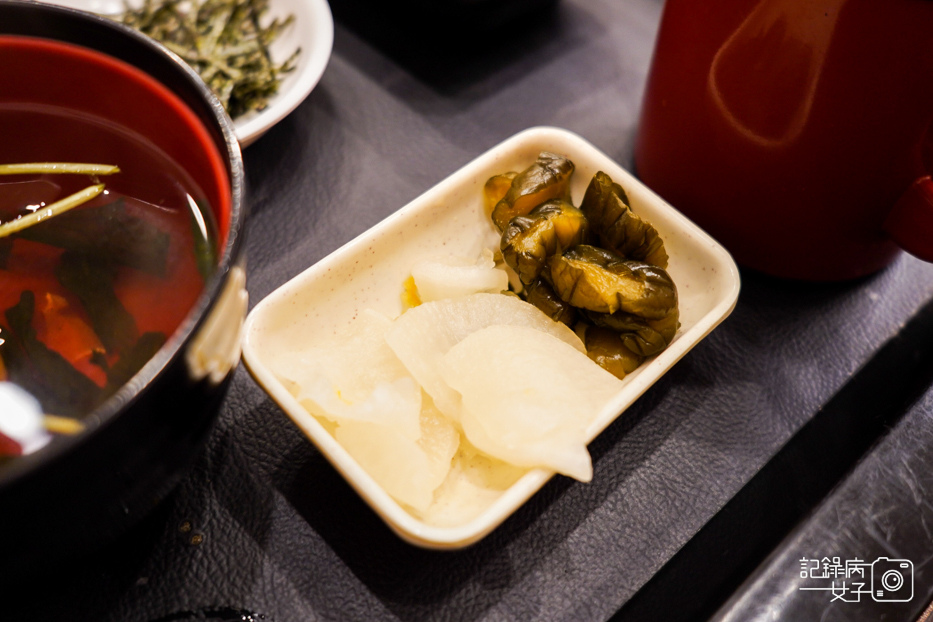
(91, 280)
(224, 42)
(98, 242)
(108, 232)
(6, 247)
(41, 370)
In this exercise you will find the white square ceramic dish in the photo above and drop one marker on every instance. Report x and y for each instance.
(369, 272)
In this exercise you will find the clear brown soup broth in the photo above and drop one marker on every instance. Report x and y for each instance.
(156, 195)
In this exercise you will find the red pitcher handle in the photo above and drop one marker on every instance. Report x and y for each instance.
(910, 222)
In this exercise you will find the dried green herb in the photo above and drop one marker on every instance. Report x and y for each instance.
(224, 42)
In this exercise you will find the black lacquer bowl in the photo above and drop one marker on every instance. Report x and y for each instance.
(82, 491)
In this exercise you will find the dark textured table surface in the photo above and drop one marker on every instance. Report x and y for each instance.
(263, 527)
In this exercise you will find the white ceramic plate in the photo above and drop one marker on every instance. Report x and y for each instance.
(312, 31)
(369, 271)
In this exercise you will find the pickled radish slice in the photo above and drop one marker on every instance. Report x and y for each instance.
(422, 336)
(409, 471)
(452, 277)
(528, 397)
(356, 377)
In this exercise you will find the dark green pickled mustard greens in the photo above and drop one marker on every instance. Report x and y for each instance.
(224, 41)
(599, 280)
(640, 335)
(547, 230)
(604, 347)
(616, 227)
(548, 178)
(495, 188)
(599, 268)
(542, 295)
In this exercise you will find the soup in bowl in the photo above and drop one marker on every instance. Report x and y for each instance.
(122, 289)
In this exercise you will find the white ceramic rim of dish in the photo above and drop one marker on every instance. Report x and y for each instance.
(313, 31)
(404, 524)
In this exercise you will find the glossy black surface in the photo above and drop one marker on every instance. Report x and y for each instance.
(832, 485)
(878, 515)
(410, 25)
(263, 526)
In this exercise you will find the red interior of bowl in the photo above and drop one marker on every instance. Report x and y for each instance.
(47, 72)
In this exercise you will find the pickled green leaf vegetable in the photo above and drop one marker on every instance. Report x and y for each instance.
(549, 229)
(599, 268)
(605, 348)
(599, 280)
(548, 178)
(616, 227)
(642, 336)
(542, 295)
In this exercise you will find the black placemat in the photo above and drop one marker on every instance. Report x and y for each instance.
(264, 528)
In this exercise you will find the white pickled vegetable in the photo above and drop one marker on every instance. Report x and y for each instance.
(356, 377)
(422, 336)
(410, 471)
(528, 397)
(451, 277)
(485, 371)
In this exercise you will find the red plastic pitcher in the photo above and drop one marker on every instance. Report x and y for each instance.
(798, 133)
